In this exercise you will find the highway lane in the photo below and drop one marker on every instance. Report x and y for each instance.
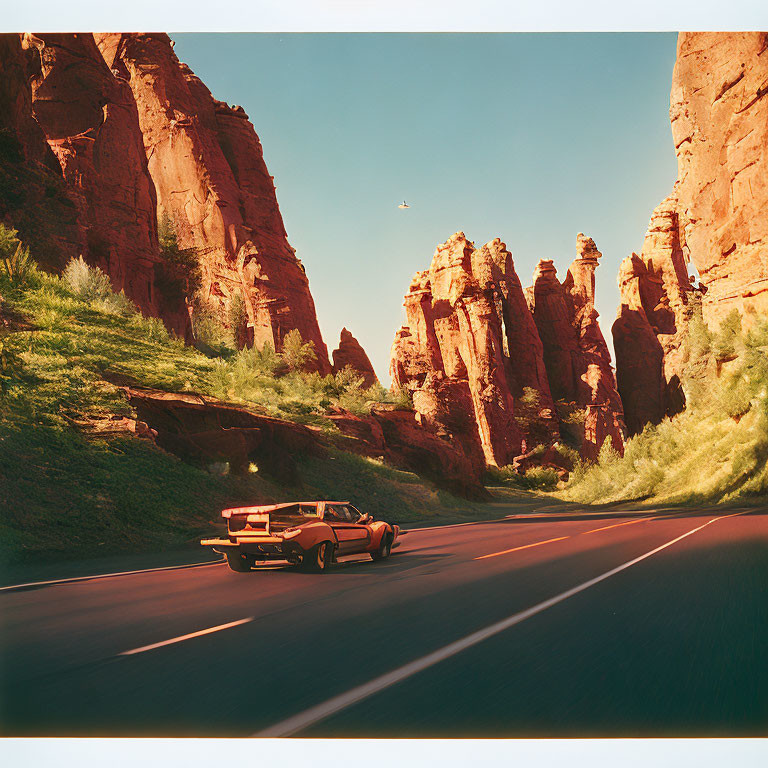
(303, 639)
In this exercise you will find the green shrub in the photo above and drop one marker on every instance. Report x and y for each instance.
(178, 274)
(210, 333)
(534, 479)
(297, 354)
(18, 265)
(86, 282)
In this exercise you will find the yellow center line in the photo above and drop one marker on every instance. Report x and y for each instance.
(525, 546)
(617, 525)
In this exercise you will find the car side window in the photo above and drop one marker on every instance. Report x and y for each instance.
(354, 515)
(344, 514)
(336, 514)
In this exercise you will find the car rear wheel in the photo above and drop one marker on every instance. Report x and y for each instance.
(238, 562)
(319, 557)
(384, 548)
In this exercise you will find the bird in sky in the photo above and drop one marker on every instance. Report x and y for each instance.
(404, 205)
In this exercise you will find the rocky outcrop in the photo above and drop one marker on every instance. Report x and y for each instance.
(576, 356)
(719, 115)
(207, 165)
(350, 354)
(470, 349)
(404, 440)
(90, 121)
(658, 299)
(202, 430)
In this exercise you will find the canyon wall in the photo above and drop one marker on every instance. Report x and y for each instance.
(716, 217)
(90, 121)
(207, 166)
(34, 198)
(719, 116)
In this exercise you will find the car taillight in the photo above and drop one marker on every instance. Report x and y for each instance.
(237, 523)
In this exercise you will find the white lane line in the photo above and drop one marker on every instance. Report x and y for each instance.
(320, 712)
(109, 575)
(179, 639)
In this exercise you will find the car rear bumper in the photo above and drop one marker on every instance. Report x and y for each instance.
(263, 548)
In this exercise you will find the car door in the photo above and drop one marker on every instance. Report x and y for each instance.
(352, 536)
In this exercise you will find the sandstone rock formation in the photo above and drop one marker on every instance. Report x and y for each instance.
(469, 348)
(657, 302)
(576, 356)
(719, 115)
(350, 354)
(90, 121)
(207, 165)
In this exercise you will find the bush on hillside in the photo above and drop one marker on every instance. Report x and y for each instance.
(178, 274)
(535, 479)
(278, 382)
(17, 264)
(91, 285)
(297, 354)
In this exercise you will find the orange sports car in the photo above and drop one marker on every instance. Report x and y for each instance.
(307, 533)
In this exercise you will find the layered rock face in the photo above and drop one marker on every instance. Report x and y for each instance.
(90, 121)
(657, 302)
(33, 196)
(719, 115)
(576, 356)
(350, 354)
(469, 348)
(207, 165)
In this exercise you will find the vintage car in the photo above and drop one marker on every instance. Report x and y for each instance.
(312, 534)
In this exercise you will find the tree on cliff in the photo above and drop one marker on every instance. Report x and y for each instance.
(178, 275)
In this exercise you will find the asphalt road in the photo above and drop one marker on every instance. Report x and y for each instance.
(620, 625)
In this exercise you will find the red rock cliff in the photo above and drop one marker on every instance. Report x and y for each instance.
(716, 217)
(90, 121)
(33, 196)
(207, 165)
(719, 115)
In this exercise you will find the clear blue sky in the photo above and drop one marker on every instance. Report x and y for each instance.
(528, 137)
